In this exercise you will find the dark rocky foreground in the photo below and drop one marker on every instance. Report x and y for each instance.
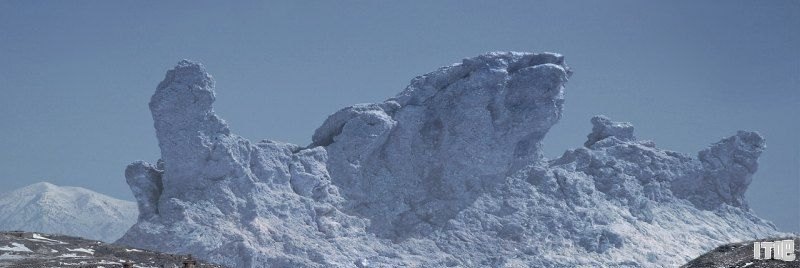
(33, 250)
(741, 255)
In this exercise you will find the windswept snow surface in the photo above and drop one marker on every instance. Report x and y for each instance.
(48, 208)
(449, 173)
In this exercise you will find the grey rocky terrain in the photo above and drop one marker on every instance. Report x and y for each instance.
(36, 250)
(738, 255)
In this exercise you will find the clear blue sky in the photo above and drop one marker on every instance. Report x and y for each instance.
(76, 76)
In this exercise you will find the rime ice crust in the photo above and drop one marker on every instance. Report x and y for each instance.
(728, 168)
(443, 140)
(145, 182)
(448, 173)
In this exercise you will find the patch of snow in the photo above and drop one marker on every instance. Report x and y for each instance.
(9, 256)
(70, 255)
(16, 247)
(40, 238)
(84, 250)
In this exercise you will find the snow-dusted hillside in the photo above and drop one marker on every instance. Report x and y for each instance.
(449, 173)
(74, 211)
(36, 250)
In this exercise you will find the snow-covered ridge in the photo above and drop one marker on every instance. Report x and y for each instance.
(449, 173)
(44, 207)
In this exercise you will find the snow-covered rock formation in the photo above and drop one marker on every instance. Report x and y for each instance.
(74, 211)
(449, 173)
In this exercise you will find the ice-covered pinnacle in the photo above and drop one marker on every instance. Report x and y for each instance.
(602, 128)
(189, 134)
(730, 164)
(183, 101)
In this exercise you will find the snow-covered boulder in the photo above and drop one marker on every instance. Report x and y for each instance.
(602, 128)
(449, 173)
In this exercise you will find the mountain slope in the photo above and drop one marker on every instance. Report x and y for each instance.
(449, 173)
(75, 211)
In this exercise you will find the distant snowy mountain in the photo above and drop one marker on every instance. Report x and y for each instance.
(75, 211)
